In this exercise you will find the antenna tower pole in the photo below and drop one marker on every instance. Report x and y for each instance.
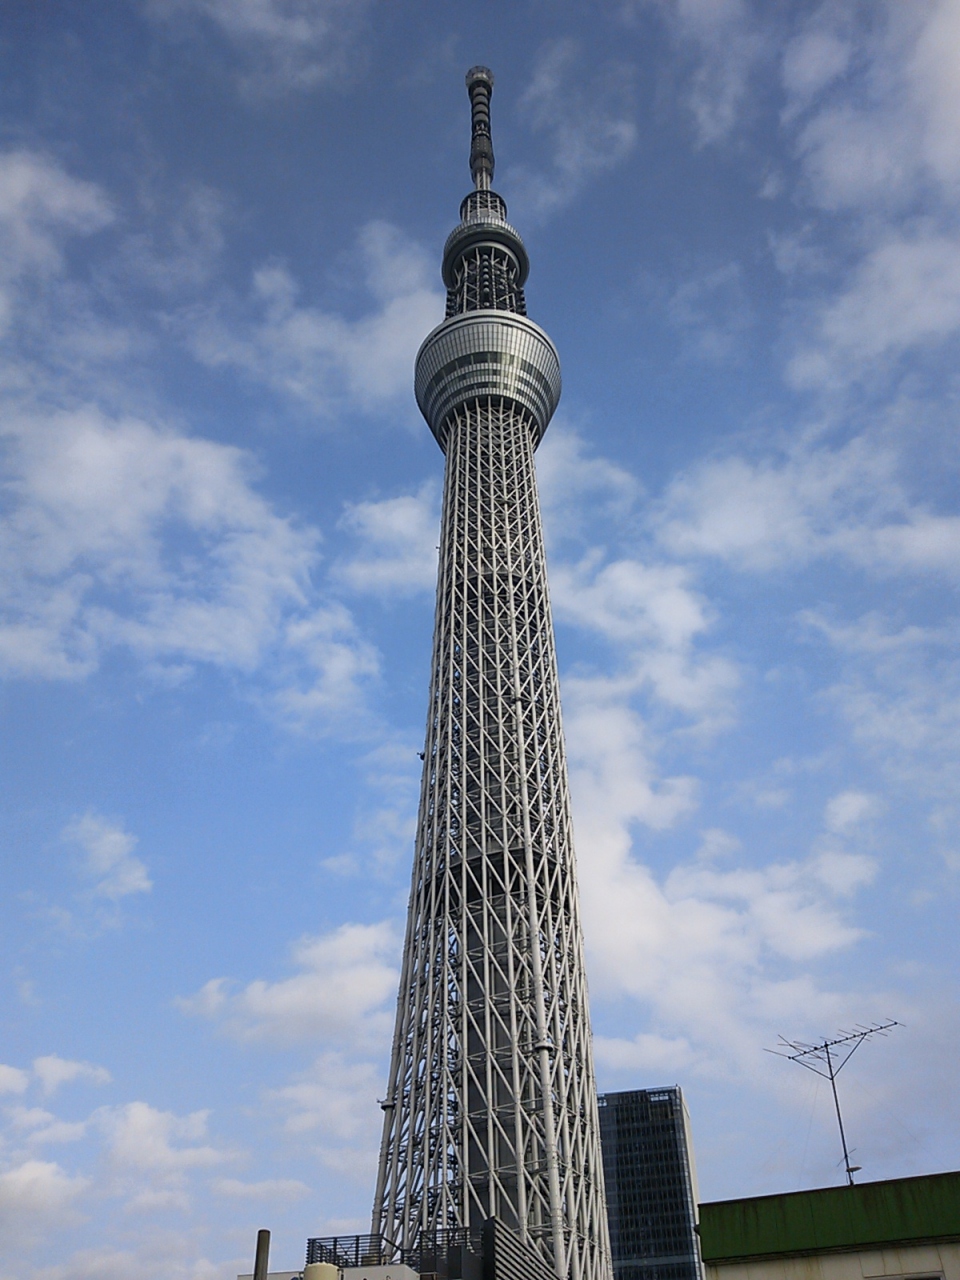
(816, 1057)
(491, 1102)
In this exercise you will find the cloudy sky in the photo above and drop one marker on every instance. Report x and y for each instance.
(220, 232)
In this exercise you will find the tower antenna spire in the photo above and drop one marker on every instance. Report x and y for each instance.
(480, 89)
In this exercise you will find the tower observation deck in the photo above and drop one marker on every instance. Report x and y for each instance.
(491, 1107)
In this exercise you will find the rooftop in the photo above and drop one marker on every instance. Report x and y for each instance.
(832, 1219)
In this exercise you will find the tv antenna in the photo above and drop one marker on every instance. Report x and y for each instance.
(827, 1058)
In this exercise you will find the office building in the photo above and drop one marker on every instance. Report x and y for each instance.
(650, 1181)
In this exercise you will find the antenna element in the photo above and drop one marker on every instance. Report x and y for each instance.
(827, 1059)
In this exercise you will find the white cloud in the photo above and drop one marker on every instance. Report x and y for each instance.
(874, 111)
(42, 1126)
(876, 108)
(13, 1079)
(342, 995)
(287, 1189)
(334, 1104)
(384, 832)
(286, 45)
(712, 311)
(644, 1054)
(844, 873)
(727, 941)
(727, 40)
(590, 126)
(160, 1255)
(398, 540)
(627, 600)
(36, 1194)
(576, 485)
(118, 510)
(933, 78)
(895, 126)
(332, 1097)
(124, 534)
(135, 1157)
(719, 946)
(336, 664)
(798, 251)
(847, 809)
(653, 614)
(811, 62)
(717, 843)
(713, 955)
(899, 690)
(208, 1001)
(151, 1154)
(40, 205)
(873, 108)
(847, 502)
(53, 1071)
(117, 873)
(649, 612)
(180, 247)
(318, 358)
(343, 981)
(142, 1137)
(39, 201)
(612, 755)
(904, 294)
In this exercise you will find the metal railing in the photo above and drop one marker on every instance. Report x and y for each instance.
(430, 1255)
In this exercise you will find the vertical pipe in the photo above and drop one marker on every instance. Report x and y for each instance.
(262, 1262)
(836, 1103)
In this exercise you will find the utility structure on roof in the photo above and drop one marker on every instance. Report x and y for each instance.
(491, 1109)
(827, 1058)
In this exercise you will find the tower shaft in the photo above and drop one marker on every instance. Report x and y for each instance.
(491, 1106)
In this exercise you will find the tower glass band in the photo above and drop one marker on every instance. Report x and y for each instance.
(491, 1107)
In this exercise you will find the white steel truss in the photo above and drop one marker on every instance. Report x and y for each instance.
(491, 1106)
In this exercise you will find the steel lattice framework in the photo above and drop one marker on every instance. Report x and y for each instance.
(491, 1107)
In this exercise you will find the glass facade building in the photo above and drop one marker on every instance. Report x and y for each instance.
(651, 1185)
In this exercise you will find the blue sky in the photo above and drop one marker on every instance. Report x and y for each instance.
(220, 234)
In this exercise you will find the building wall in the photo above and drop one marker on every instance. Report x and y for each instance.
(911, 1262)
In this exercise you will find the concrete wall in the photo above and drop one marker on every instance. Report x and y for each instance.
(908, 1262)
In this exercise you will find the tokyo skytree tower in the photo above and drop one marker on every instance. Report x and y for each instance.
(491, 1107)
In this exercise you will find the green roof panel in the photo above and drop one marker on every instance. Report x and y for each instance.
(871, 1214)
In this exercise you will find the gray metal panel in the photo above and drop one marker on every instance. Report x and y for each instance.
(506, 1257)
(482, 354)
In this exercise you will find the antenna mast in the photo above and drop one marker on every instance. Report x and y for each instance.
(827, 1058)
(480, 87)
